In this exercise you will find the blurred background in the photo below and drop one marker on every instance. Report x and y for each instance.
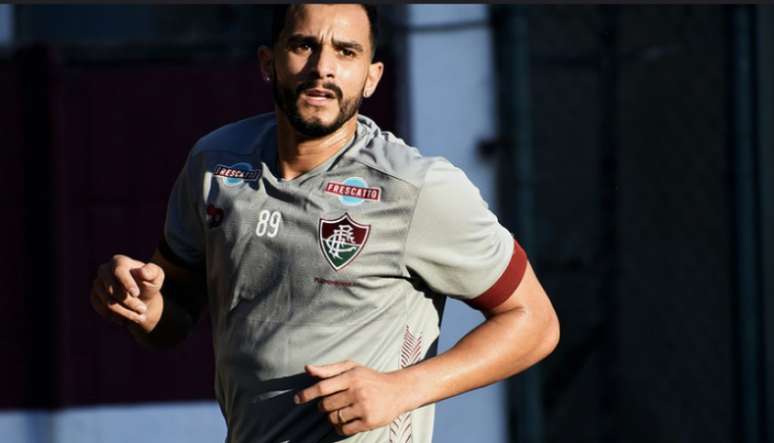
(630, 148)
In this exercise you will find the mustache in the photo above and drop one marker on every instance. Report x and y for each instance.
(310, 84)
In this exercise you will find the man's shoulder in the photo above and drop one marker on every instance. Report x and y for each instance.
(390, 155)
(241, 137)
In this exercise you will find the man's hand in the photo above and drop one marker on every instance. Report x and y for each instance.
(355, 398)
(124, 289)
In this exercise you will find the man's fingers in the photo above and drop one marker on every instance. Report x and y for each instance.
(343, 415)
(351, 428)
(116, 278)
(108, 282)
(99, 305)
(150, 277)
(102, 310)
(115, 292)
(334, 380)
(122, 273)
(134, 304)
(331, 370)
(321, 389)
(111, 307)
(334, 402)
(126, 313)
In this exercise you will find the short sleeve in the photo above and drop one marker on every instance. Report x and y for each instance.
(456, 244)
(183, 241)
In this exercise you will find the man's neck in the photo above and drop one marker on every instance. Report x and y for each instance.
(297, 155)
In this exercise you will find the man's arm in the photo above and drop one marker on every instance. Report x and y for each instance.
(159, 301)
(516, 335)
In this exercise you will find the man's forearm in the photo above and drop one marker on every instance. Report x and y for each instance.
(167, 324)
(506, 344)
(173, 311)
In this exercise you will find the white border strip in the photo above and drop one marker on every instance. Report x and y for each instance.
(147, 423)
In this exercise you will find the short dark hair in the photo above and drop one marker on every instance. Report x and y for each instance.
(280, 15)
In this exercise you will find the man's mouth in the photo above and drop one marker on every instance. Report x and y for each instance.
(319, 93)
(318, 96)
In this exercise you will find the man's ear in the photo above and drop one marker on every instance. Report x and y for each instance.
(266, 60)
(375, 71)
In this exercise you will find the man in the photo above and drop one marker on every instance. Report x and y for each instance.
(325, 249)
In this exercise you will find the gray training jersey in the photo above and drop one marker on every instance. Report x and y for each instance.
(351, 260)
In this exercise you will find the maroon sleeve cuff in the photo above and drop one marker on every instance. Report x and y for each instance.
(506, 284)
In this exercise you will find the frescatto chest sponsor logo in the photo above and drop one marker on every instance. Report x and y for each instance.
(353, 191)
(236, 174)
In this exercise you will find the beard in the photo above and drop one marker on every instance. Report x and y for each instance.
(287, 100)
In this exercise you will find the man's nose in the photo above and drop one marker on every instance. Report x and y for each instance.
(324, 63)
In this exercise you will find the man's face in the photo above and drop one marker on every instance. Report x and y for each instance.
(322, 67)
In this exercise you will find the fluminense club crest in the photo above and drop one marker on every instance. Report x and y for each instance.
(342, 240)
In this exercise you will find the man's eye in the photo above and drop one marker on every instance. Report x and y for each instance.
(347, 52)
(301, 47)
